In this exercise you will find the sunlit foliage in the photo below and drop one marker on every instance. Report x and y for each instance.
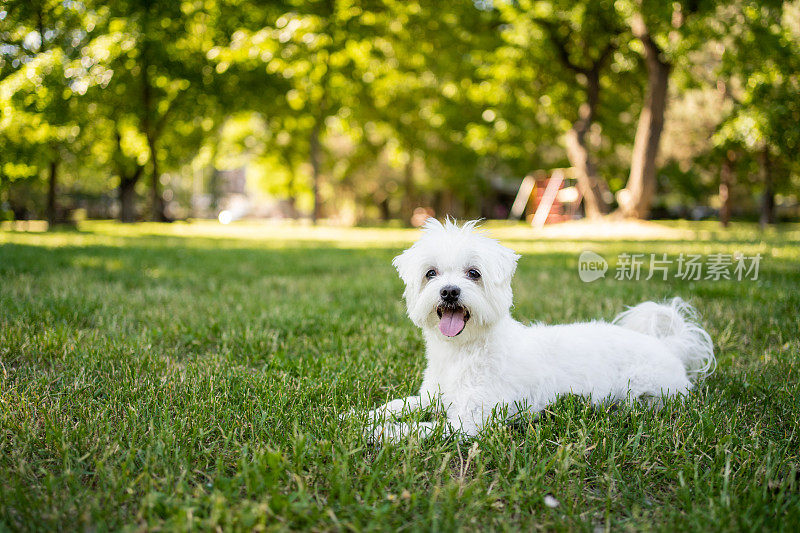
(381, 106)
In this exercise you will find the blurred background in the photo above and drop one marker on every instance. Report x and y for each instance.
(362, 112)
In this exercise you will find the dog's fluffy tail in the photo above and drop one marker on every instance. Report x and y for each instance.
(675, 323)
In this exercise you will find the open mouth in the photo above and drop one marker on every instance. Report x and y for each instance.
(452, 319)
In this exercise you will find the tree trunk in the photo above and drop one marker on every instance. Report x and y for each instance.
(386, 212)
(291, 186)
(149, 129)
(445, 204)
(591, 186)
(127, 183)
(315, 149)
(314, 155)
(409, 197)
(768, 197)
(156, 201)
(52, 182)
(291, 198)
(725, 183)
(127, 199)
(637, 197)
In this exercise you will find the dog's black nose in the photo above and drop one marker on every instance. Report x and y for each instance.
(450, 293)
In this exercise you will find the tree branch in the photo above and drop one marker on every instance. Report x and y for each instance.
(560, 44)
(604, 55)
(639, 29)
(120, 161)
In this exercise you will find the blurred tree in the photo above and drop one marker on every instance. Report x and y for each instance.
(666, 33)
(39, 79)
(304, 45)
(759, 73)
(151, 71)
(376, 107)
(428, 106)
(163, 91)
(571, 43)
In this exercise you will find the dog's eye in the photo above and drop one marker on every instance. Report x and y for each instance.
(430, 274)
(473, 274)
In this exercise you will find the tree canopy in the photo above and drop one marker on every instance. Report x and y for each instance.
(361, 110)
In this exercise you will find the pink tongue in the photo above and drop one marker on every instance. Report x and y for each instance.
(452, 322)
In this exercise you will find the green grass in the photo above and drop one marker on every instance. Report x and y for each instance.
(185, 376)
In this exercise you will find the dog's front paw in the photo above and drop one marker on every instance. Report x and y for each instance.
(393, 433)
(384, 433)
(349, 415)
(372, 416)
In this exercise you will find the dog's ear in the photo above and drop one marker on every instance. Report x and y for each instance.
(505, 263)
(405, 265)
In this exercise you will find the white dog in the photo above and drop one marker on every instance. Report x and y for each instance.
(458, 291)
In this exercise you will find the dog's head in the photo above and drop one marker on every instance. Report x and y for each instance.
(457, 279)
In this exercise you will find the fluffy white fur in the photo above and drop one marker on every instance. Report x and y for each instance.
(650, 351)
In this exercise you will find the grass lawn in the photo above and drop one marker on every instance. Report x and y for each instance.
(191, 376)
